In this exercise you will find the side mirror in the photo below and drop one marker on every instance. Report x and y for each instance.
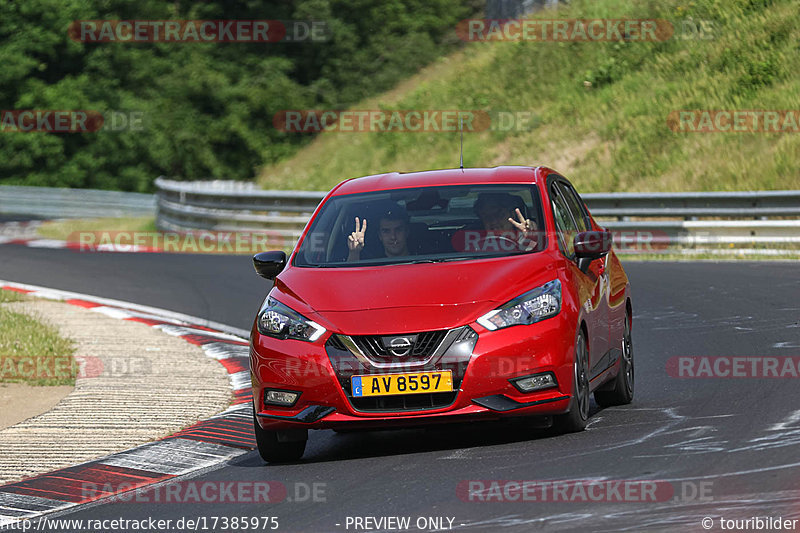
(591, 245)
(269, 264)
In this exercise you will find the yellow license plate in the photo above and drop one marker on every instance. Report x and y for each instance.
(411, 383)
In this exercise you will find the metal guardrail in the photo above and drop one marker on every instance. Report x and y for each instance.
(751, 204)
(509, 9)
(226, 206)
(229, 206)
(748, 217)
(46, 202)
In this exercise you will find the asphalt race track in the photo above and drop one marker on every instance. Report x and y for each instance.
(728, 447)
(219, 286)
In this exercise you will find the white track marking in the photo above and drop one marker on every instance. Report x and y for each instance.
(174, 457)
(457, 454)
(243, 410)
(791, 420)
(180, 331)
(241, 380)
(782, 434)
(15, 507)
(223, 350)
(46, 243)
(113, 312)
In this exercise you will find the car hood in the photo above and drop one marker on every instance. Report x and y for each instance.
(409, 298)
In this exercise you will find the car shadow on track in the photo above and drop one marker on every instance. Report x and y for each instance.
(326, 445)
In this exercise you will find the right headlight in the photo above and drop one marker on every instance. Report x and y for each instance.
(533, 306)
(278, 320)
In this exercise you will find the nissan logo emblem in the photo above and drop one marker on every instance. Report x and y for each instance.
(400, 346)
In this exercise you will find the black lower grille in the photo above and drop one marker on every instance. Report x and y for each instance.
(402, 402)
(405, 402)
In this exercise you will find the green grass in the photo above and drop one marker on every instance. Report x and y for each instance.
(610, 134)
(68, 229)
(32, 352)
(7, 296)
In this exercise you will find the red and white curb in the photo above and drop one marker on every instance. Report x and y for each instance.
(78, 247)
(205, 444)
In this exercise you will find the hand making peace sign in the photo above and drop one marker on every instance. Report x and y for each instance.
(527, 228)
(523, 224)
(355, 241)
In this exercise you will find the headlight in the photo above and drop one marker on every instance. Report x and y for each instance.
(278, 320)
(533, 306)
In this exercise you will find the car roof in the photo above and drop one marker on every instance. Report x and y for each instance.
(428, 178)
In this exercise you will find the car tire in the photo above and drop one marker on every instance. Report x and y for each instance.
(273, 450)
(622, 393)
(575, 419)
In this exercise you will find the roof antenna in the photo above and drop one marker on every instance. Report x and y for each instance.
(461, 129)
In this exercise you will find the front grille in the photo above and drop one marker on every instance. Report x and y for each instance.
(373, 346)
(424, 345)
(336, 342)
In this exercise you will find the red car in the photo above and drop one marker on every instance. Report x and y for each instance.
(440, 296)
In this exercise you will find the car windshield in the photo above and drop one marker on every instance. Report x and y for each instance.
(423, 225)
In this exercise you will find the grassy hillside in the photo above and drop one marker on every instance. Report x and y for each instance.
(601, 107)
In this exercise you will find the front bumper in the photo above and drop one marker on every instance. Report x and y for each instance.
(321, 371)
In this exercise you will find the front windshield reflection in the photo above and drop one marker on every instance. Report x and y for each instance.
(427, 224)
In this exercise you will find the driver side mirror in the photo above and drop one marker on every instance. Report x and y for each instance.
(269, 264)
(591, 245)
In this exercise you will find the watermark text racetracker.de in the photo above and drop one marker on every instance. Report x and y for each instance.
(403, 120)
(69, 121)
(223, 242)
(209, 492)
(584, 30)
(735, 121)
(583, 491)
(198, 31)
(67, 367)
(735, 367)
(565, 30)
(624, 241)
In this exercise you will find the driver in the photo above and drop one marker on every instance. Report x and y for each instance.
(393, 234)
(501, 219)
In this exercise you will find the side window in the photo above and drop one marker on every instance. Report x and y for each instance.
(565, 226)
(575, 206)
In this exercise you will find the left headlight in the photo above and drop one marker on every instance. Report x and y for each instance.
(533, 306)
(278, 320)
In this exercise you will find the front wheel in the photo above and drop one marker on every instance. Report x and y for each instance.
(274, 450)
(575, 419)
(622, 393)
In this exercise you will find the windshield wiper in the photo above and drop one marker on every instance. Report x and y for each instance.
(437, 260)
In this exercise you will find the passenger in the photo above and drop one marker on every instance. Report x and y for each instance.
(501, 219)
(393, 234)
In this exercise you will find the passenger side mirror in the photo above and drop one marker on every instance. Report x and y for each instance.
(269, 264)
(591, 245)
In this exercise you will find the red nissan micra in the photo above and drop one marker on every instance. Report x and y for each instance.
(447, 295)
